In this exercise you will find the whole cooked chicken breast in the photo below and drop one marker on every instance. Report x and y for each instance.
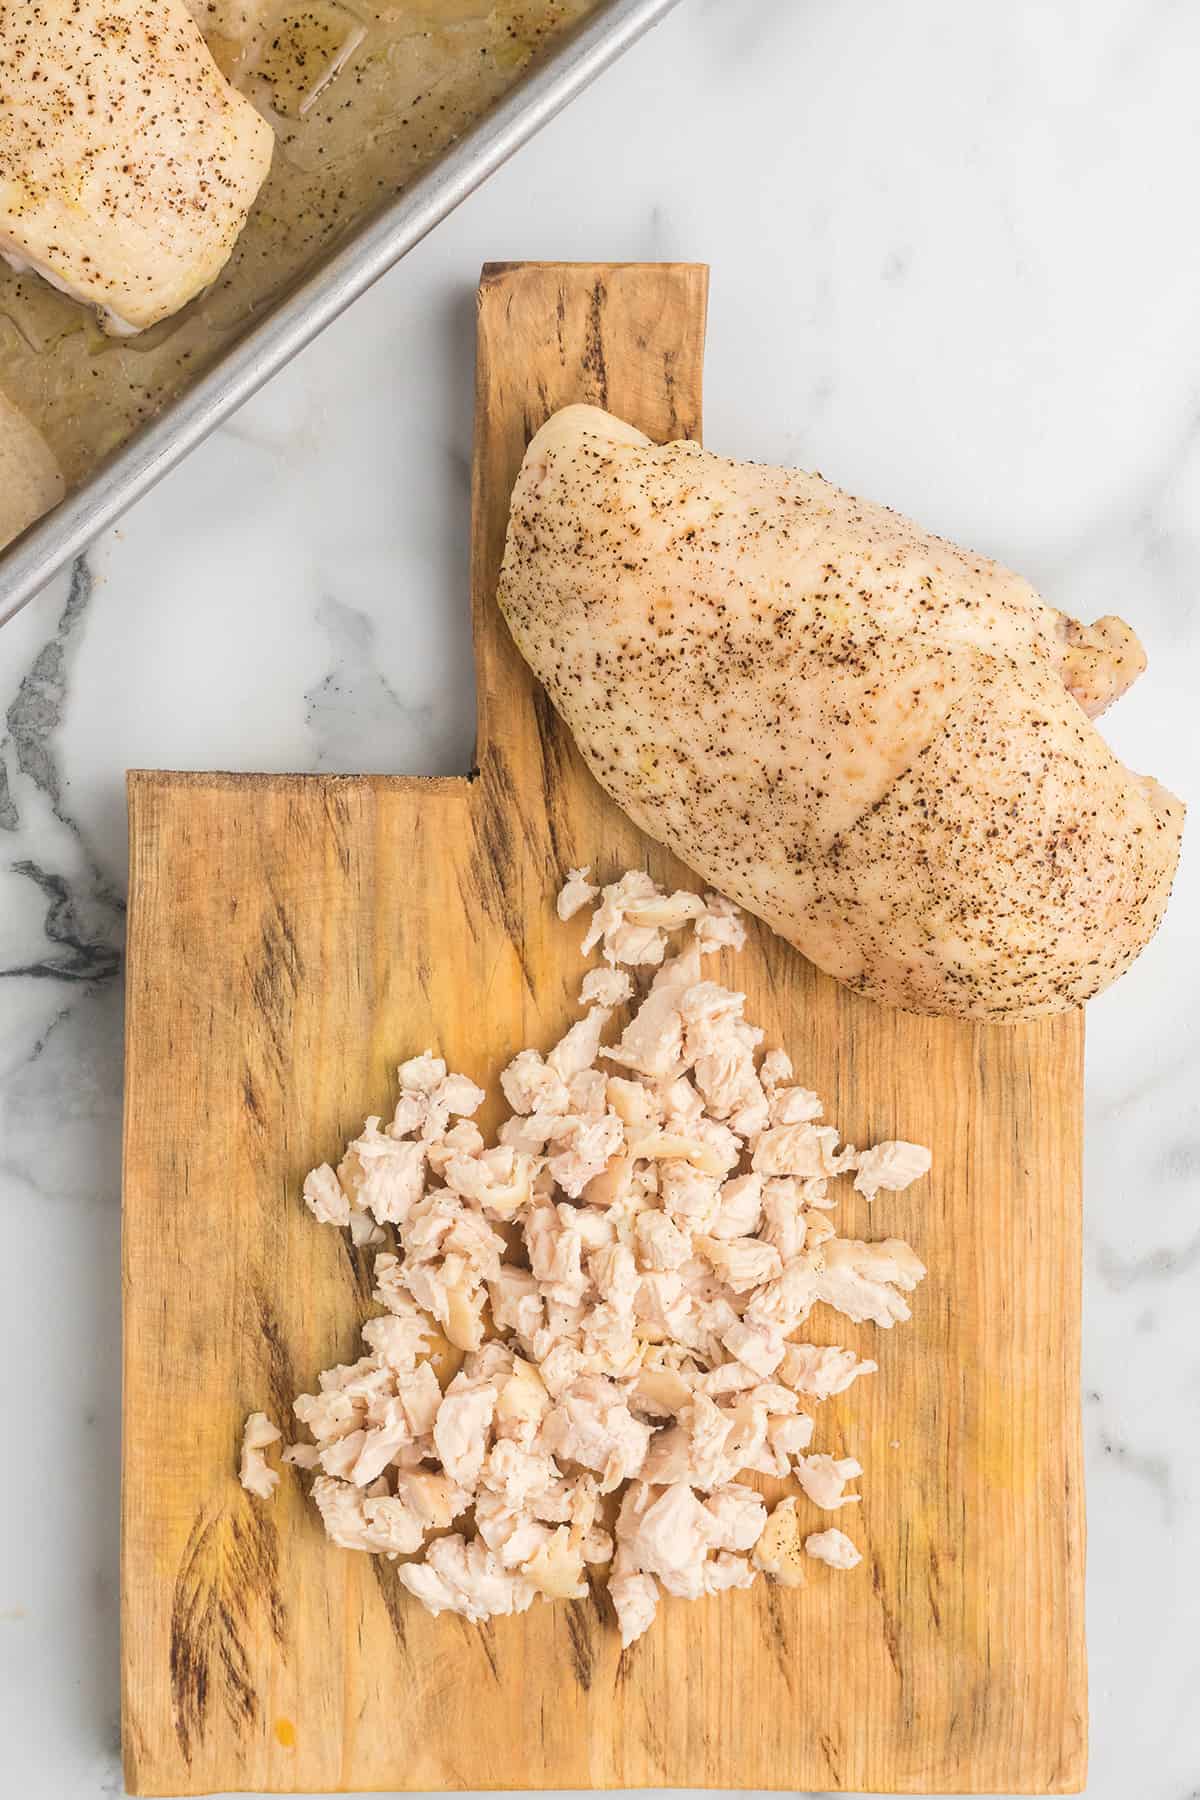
(30, 479)
(879, 743)
(127, 162)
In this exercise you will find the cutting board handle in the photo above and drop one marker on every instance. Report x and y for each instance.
(625, 336)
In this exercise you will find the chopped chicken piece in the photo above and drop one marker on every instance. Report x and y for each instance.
(559, 1367)
(894, 1166)
(801, 1150)
(760, 1346)
(421, 1074)
(635, 1597)
(624, 942)
(682, 1105)
(666, 1311)
(324, 1197)
(580, 1047)
(633, 1102)
(523, 1398)
(786, 1226)
(463, 1139)
(615, 1274)
(833, 1547)
(462, 1428)
(518, 1475)
(776, 1070)
(725, 1571)
(428, 1102)
(531, 1085)
(432, 1498)
(466, 1578)
(588, 1091)
(420, 1394)
(727, 1378)
(666, 912)
(721, 1149)
(577, 892)
(719, 926)
(383, 1175)
(399, 1337)
(613, 1185)
(795, 1106)
(500, 1181)
(739, 1211)
(592, 1425)
(513, 1535)
(358, 1521)
(516, 1301)
(556, 1569)
(555, 1251)
(821, 1371)
(583, 1149)
(652, 1043)
(253, 1473)
(861, 1280)
(453, 1294)
(302, 1456)
(531, 1132)
(664, 1531)
(661, 1392)
(690, 1197)
(741, 1263)
(824, 1479)
(606, 987)
(597, 1546)
(661, 1244)
(779, 1551)
(739, 1515)
(785, 1303)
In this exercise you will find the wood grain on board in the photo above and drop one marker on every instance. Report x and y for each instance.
(291, 938)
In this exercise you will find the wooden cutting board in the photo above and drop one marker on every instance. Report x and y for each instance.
(291, 938)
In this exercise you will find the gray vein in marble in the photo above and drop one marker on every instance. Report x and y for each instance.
(82, 949)
(36, 713)
(347, 708)
(1120, 1273)
(1154, 1470)
(79, 957)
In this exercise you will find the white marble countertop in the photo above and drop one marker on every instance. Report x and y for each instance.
(956, 266)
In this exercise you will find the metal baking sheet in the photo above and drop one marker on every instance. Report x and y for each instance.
(300, 314)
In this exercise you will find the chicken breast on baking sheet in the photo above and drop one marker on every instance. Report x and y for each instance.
(128, 163)
(30, 479)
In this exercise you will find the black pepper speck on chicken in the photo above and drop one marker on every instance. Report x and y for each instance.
(879, 743)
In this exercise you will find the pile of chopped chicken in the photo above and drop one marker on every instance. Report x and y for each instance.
(626, 1271)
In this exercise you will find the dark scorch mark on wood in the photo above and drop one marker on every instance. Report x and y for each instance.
(555, 750)
(593, 352)
(891, 1636)
(829, 1751)
(395, 1598)
(781, 1646)
(230, 1570)
(275, 979)
(494, 865)
(281, 1377)
(583, 1618)
(934, 1577)
(485, 1636)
